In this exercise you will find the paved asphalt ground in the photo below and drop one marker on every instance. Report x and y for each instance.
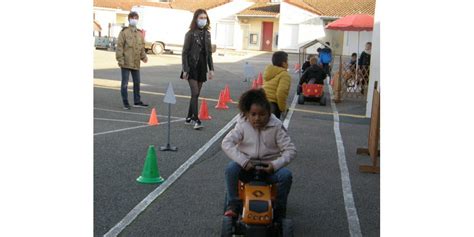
(192, 206)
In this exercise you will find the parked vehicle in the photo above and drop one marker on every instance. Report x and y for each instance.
(164, 28)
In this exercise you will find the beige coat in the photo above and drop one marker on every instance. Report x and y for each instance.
(271, 143)
(130, 48)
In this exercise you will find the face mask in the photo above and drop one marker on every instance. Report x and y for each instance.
(201, 23)
(133, 22)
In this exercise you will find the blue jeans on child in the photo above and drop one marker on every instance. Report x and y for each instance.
(282, 177)
(136, 85)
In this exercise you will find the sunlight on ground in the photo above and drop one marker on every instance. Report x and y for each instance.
(106, 59)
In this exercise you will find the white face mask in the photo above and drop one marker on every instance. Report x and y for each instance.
(201, 23)
(133, 22)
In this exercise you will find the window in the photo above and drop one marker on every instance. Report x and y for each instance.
(253, 38)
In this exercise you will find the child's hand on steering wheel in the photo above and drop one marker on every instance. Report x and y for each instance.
(268, 168)
(249, 166)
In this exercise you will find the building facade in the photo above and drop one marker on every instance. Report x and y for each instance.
(266, 25)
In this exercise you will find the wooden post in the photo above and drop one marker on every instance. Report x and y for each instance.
(337, 82)
(374, 137)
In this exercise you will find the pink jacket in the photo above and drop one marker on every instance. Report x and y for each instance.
(271, 143)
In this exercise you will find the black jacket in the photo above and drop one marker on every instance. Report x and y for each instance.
(364, 59)
(192, 48)
(305, 66)
(314, 71)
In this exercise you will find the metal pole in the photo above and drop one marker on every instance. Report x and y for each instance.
(169, 123)
(168, 147)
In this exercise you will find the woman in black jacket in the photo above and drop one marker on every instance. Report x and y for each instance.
(196, 58)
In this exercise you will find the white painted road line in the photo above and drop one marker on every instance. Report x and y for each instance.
(286, 123)
(119, 120)
(351, 211)
(130, 217)
(141, 126)
(124, 112)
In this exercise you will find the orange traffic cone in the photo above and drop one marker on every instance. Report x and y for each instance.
(260, 80)
(254, 85)
(153, 118)
(221, 104)
(227, 94)
(203, 111)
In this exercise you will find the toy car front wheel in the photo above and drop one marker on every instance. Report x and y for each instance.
(322, 101)
(287, 227)
(227, 227)
(301, 99)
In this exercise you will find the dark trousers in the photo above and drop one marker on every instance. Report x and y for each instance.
(327, 69)
(136, 85)
(195, 87)
(275, 110)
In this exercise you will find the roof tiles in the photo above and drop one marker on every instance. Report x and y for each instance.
(261, 9)
(190, 5)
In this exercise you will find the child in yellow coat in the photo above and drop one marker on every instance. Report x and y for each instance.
(277, 82)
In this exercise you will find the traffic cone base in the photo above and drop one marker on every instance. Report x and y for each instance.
(144, 180)
(153, 118)
(150, 173)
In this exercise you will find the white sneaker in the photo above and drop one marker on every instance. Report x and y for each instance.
(189, 121)
(197, 125)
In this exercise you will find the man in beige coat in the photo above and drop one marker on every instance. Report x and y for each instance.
(130, 50)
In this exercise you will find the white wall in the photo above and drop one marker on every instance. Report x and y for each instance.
(225, 27)
(225, 34)
(104, 17)
(351, 39)
(307, 26)
(374, 62)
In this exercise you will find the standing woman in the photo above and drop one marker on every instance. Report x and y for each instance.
(196, 58)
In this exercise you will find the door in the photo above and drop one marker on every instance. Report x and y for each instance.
(225, 34)
(267, 39)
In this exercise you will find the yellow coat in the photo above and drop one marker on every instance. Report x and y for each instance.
(130, 48)
(276, 84)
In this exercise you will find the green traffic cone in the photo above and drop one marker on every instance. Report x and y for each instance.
(150, 173)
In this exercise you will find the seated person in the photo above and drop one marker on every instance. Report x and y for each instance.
(258, 136)
(313, 75)
(352, 63)
(350, 68)
(306, 64)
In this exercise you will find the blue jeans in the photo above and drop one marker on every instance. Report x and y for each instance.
(326, 69)
(136, 85)
(282, 177)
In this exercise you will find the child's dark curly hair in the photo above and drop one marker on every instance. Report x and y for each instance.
(253, 96)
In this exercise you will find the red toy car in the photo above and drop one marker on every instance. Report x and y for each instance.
(312, 92)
